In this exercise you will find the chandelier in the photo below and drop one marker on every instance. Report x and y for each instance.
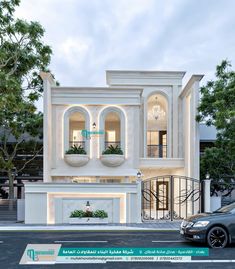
(157, 112)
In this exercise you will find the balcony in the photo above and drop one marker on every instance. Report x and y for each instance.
(157, 151)
(77, 144)
(112, 143)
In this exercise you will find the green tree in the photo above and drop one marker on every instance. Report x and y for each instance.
(23, 55)
(217, 107)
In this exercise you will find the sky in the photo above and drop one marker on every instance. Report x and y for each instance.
(90, 36)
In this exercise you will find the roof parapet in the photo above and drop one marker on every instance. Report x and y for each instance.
(47, 76)
(188, 86)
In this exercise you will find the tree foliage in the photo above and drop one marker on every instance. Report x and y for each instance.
(22, 55)
(217, 108)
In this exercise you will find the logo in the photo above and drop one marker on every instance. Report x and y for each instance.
(40, 253)
(88, 134)
(33, 254)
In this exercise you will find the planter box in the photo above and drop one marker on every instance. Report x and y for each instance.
(112, 160)
(76, 159)
(88, 221)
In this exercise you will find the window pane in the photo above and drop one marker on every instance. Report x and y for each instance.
(111, 136)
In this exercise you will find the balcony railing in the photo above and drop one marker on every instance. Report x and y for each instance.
(113, 143)
(77, 143)
(157, 151)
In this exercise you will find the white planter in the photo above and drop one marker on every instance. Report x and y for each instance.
(112, 160)
(76, 159)
(88, 221)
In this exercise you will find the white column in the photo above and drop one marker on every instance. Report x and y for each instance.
(207, 195)
(175, 104)
(145, 100)
(139, 200)
(47, 125)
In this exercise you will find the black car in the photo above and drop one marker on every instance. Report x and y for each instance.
(217, 229)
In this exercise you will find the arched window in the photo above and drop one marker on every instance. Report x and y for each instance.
(76, 120)
(112, 130)
(112, 122)
(157, 126)
(77, 123)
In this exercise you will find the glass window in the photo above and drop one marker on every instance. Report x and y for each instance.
(76, 125)
(157, 127)
(112, 130)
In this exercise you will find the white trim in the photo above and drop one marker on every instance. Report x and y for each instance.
(65, 126)
(188, 87)
(75, 188)
(95, 96)
(123, 120)
(140, 78)
(162, 163)
(169, 121)
(115, 172)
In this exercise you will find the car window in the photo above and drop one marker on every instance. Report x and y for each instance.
(227, 208)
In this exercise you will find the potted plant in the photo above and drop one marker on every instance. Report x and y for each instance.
(112, 156)
(76, 156)
(83, 217)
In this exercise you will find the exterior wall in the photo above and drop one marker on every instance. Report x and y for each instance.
(128, 93)
(35, 207)
(94, 166)
(189, 97)
(52, 203)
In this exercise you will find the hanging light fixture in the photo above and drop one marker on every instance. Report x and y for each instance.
(157, 113)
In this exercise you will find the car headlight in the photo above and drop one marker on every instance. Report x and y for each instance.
(201, 223)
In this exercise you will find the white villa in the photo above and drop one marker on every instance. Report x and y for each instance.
(150, 117)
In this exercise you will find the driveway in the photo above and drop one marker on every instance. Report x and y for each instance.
(12, 246)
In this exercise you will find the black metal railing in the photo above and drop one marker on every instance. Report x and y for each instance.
(170, 197)
(112, 143)
(77, 143)
(157, 151)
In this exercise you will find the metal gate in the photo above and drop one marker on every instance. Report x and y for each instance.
(170, 198)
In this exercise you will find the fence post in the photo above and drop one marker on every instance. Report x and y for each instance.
(207, 195)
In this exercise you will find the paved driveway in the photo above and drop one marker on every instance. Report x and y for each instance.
(12, 246)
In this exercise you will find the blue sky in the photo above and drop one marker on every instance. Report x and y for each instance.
(89, 37)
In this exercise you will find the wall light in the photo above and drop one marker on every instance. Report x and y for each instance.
(88, 206)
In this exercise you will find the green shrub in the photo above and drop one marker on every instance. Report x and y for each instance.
(76, 150)
(113, 150)
(100, 214)
(77, 214)
(89, 214)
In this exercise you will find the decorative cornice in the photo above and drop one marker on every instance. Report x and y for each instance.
(144, 78)
(188, 86)
(96, 95)
(162, 163)
(47, 76)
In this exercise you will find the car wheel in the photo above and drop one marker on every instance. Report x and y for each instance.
(217, 237)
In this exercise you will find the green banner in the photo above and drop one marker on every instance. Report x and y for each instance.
(134, 252)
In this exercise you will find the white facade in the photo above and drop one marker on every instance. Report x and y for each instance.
(147, 114)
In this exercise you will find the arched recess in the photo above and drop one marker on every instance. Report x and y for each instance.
(113, 122)
(158, 126)
(76, 119)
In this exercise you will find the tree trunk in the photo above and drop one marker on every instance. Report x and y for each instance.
(11, 190)
(11, 185)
